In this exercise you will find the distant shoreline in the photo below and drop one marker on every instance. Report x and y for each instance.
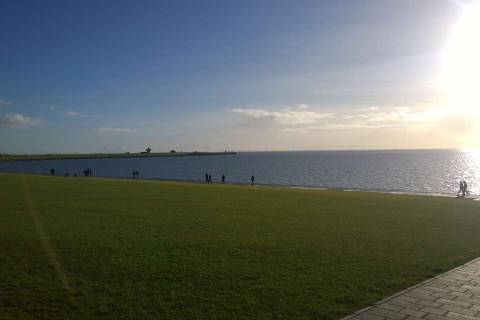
(59, 156)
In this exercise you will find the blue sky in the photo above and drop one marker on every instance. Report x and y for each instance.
(89, 76)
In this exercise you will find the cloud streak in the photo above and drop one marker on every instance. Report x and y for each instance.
(4, 103)
(299, 115)
(116, 130)
(71, 113)
(303, 119)
(17, 120)
(76, 114)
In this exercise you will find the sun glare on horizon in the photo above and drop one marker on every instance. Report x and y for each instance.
(461, 74)
(461, 71)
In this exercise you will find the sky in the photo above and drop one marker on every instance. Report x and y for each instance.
(117, 76)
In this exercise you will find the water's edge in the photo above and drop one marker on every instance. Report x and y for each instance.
(469, 197)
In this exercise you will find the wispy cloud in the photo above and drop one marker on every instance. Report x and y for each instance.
(288, 116)
(116, 130)
(4, 103)
(369, 109)
(17, 120)
(77, 114)
(71, 113)
(303, 118)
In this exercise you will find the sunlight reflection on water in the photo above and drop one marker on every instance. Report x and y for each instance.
(472, 169)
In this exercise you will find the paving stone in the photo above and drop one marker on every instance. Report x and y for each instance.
(471, 289)
(460, 294)
(412, 312)
(406, 305)
(458, 310)
(443, 296)
(368, 316)
(436, 317)
(435, 289)
(455, 303)
(437, 284)
(429, 303)
(387, 313)
(406, 298)
(436, 311)
(458, 316)
(468, 300)
(391, 307)
(456, 289)
(418, 295)
(475, 307)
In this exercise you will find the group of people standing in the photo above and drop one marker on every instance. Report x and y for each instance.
(86, 172)
(463, 189)
(208, 178)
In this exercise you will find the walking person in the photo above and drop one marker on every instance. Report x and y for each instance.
(252, 179)
(52, 171)
(206, 177)
(460, 190)
(465, 188)
(209, 178)
(223, 179)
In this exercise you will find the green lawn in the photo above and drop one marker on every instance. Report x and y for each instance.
(88, 248)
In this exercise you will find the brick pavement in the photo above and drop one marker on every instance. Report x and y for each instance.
(453, 295)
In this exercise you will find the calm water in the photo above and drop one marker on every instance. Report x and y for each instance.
(429, 172)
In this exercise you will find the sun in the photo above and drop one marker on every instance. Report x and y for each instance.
(461, 74)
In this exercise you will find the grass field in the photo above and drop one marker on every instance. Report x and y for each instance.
(64, 156)
(89, 248)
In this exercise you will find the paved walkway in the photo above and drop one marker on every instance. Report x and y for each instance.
(454, 295)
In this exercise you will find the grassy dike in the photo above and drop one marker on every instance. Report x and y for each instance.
(92, 248)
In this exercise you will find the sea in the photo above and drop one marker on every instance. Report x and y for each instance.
(431, 172)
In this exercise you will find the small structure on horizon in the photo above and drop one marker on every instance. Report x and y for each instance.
(148, 150)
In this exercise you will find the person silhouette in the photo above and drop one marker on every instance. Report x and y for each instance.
(465, 188)
(209, 178)
(461, 189)
(252, 178)
(206, 177)
(52, 172)
(223, 179)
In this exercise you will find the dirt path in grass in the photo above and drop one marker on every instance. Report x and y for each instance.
(49, 250)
